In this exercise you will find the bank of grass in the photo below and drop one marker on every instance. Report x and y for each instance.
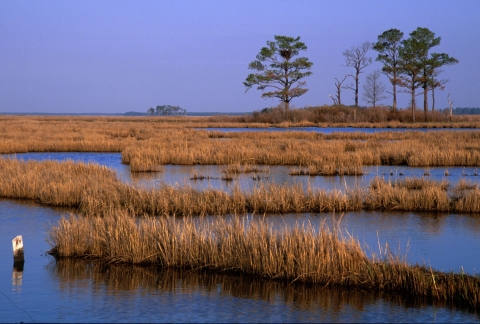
(146, 144)
(320, 154)
(96, 190)
(322, 256)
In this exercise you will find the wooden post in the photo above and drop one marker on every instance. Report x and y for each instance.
(18, 255)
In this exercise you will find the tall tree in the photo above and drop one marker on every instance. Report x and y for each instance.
(426, 40)
(387, 46)
(279, 71)
(411, 68)
(373, 89)
(356, 57)
(430, 73)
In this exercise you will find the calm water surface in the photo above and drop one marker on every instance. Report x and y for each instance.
(330, 130)
(78, 291)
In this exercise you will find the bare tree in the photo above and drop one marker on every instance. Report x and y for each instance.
(338, 92)
(355, 57)
(335, 102)
(374, 89)
(451, 109)
(436, 84)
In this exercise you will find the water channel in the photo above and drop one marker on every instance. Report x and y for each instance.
(330, 130)
(78, 291)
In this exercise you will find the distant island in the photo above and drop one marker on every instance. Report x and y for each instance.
(128, 114)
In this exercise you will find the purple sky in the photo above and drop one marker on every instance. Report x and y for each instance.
(118, 56)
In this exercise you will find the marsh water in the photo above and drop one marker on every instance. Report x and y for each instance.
(79, 291)
(330, 130)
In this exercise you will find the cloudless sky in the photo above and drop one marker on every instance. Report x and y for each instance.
(118, 56)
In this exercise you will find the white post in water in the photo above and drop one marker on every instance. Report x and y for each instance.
(18, 255)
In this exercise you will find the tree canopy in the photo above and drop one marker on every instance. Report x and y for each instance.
(167, 110)
(387, 46)
(278, 74)
(421, 68)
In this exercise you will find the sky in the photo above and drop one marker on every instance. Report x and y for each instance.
(118, 56)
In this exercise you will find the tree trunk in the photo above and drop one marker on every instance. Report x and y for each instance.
(413, 104)
(425, 101)
(356, 89)
(433, 99)
(395, 94)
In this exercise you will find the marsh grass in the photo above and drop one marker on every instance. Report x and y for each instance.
(245, 168)
(410, 194)
(317, 255)
(327, 170)
(93, 189)
(147, 144)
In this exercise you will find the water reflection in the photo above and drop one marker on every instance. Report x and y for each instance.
(17, 277)
(299, 302)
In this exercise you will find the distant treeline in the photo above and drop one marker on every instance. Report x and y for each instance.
(198, 114)
(466, 111)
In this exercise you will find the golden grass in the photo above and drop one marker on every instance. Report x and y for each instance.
(148, 143)
(411, 194)
(247, 168)
(94, 189)
(303, 253)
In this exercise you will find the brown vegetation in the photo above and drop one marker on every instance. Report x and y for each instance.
(93, 190)
(379, 116)
(320, 256)
(148, 143)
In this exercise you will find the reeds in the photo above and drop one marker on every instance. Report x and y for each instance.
(148, 143)
(303, 253)
(410, 194)
(93, 190)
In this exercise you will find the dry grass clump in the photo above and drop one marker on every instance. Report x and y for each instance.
(58, 183)
(320, 256)
(465, 185)
(466, 197)
(245, 168)
(328, 170)
(147, 164)
(415, 194)
(416, 183)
